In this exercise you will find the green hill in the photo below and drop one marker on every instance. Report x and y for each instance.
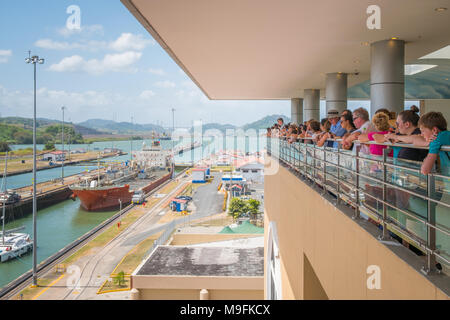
(110, 126)
(265, 122)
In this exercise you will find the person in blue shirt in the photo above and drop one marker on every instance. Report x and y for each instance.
(433, 127)
(336, 130)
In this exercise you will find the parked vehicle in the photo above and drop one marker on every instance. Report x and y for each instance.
(138, 197)
(187, 198)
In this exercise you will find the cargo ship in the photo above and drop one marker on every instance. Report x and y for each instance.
(148, 170)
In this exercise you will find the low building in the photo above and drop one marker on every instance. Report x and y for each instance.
(252, 171)
(199, 175)
(200, 273)
(178, 205)
(233, 180)
(54, 156)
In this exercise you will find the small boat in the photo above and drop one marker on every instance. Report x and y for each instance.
(12, 244)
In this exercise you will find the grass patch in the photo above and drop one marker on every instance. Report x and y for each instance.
(130, 262)
(106, 236)
(29, 293)
(167, 189)
(136, 255)
(215, 222)
(110, 233)
(109, 286)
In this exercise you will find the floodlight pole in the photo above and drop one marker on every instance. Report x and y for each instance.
(34, 60)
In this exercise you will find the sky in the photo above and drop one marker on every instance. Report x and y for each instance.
(110, 68)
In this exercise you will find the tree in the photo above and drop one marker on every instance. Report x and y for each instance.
(49, 146)
(119, 279)
(237, 207)
(253, 206)
(4, 147)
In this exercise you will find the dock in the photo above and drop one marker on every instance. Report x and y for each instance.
(16, 167)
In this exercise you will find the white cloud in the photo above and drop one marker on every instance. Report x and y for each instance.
(147, 94)
(69, 64)
(159, 72)
(83, 31)
(165, 84)
(129, 41)
(121, 62)
(4, 55)
(57, 45)
(125, 42)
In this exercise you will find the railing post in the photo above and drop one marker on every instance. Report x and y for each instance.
(356, 215)
(431, 232)
(290, 154)
(338, 187)
(385, 234)
(324, 172)
(305, 158)
(314, 163)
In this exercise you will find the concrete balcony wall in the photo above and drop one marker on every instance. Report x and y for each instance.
(324, 254)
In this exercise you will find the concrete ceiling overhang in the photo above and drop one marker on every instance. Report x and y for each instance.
(274, 49)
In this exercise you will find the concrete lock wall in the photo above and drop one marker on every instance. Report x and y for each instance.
(324, 254)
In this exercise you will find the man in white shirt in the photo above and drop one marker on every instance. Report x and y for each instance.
(363, 125)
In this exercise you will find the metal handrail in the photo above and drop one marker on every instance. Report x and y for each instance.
(318, 165)
(388, 144)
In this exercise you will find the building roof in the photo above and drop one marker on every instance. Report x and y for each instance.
(179, 200)
(276, 49)
(227, 230)
(204, 261)
(247, 228)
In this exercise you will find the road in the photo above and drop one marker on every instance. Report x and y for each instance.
(207, 199)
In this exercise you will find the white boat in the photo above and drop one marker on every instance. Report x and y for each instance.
(12, 244)
(15, 245)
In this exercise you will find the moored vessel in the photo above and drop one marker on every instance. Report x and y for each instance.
(147, 171)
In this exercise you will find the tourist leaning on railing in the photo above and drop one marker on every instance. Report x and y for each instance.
(381, 124)
(325, 126)
(336, 129)
(407, 126)
(363, 125)
(434, 131)
(348, 125)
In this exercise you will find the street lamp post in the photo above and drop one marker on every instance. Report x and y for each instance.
(34, 60)
(172, 137)
(131, 144)
(62, 142)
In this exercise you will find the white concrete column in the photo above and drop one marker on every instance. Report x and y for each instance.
(311, 106)
(204, 294)
(387, 75)
(336, 91)
(135, 294)
(297, 110)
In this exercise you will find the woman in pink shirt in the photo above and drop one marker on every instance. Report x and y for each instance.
(381, 123)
